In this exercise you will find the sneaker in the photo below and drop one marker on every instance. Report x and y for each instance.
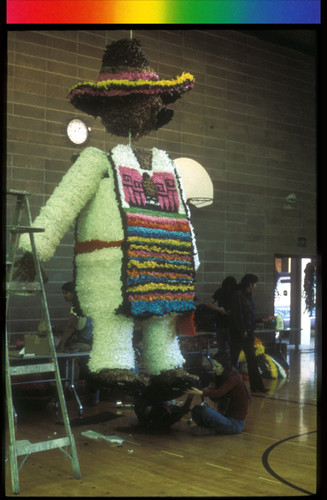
(197, 430)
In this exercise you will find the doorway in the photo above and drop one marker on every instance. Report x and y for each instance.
(295, 297)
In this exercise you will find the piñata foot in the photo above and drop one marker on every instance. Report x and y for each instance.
(170, 384)
(119, 379)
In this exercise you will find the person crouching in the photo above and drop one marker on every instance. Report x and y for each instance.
(231, 396)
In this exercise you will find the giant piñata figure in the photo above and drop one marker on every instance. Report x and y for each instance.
(135, 254)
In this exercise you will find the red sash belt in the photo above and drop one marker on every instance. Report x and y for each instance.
(90, 246)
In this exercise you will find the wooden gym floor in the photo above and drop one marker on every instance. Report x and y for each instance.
(275, 455)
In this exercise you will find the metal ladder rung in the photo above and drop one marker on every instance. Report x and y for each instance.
(24, 447)
(17, 192)
(25, 229)
(30, 369)
(19, 286)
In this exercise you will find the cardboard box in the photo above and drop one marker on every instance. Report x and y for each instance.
(36, 345)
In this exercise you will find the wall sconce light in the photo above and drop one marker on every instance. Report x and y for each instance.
(289, 201)
(291, 198)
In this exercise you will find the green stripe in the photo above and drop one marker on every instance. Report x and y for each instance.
(155, 213)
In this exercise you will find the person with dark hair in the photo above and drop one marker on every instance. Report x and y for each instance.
(231, 396)
(77, 335)
(242, 326)
(221, 303)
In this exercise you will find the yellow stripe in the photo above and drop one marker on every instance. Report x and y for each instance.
(130, 83)
(161, 286)
(152, 265)
(154, 248)
(158, 240)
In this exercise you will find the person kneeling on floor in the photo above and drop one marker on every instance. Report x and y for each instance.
(230, 394)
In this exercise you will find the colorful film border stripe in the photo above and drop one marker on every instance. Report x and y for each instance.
(163, 11)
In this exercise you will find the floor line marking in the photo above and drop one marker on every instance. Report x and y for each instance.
(171, 453)
(301, 444)
(268, 468)
(274, 439)
(258, 435)
(270, 480)
(271, 398)
(219, 466)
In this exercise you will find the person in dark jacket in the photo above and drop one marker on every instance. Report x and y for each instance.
(242, 326)
(230, 394)
(221, 303)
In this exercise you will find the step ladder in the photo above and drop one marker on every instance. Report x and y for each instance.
(23, 448)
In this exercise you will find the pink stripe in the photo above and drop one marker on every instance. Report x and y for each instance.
(154, 218)
(166, 274)
(128, 76)
(173, 256)
(113, 93)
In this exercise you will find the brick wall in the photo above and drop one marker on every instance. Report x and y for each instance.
(250, 121)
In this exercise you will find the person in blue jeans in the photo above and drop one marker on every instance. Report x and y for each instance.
(231, 396)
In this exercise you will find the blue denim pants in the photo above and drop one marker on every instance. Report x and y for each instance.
(208, 417)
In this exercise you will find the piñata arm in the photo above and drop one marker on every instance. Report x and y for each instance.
(75, 189)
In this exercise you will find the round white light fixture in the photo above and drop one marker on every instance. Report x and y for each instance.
(77, 131)
(198, 187)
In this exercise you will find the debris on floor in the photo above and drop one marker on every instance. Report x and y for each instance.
(113, 439)
(121, 404)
